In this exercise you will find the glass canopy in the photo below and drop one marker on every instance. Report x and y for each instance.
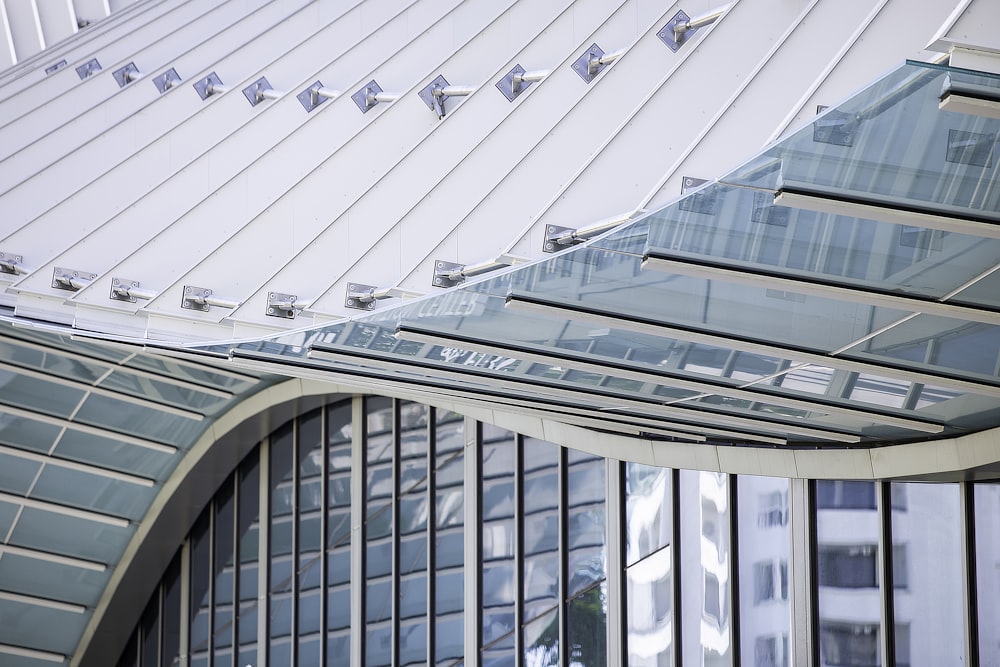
(838, 289)
(89, 434)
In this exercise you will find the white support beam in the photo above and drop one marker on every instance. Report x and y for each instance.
(65, 510)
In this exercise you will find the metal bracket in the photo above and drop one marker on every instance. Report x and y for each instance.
(365, 98)
(56, 66)
(126, 74)
(120, 287)
(71, 279)
(835, 127)
(589, 65)
(310, 97)
(509, 88)
(552, 235)
(88, 68)
(255, 91)
(689, 183)
(205, 86)
(443, 272)
(167, 80)
(8, 263)
(668, 34)
(360, 297)
(193, 298)
(432, 96)
(278, 305)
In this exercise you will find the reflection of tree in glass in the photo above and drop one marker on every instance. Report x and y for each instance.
(588, 641)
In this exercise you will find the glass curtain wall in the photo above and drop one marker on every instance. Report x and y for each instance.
(706, 574)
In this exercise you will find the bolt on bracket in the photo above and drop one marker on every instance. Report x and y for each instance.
(315, 95)
(283, 305)
(260, 90)
(208, 86)
(689, 183)
(9, 263)
(54, 67)
(120, 289)
(71, 279)
(195, 298)
(513, 83)
(589, 65)
(360, 296)
(88, 68)
(433, 96)
(553, 234)
(167, 80)
(447, 274)
(126, 74)
(367, 97)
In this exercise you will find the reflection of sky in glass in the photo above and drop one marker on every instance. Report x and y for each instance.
(734, 290)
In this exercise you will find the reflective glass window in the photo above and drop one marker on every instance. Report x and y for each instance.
(248, 533)
(170, 648)
(338, 550)
(764, 557)
(412, 491)
(649, 565)
(201, 576)
(706, 605)
(987, 522)
(499, 577)
(224, 571)
(380, 448)
(449, 522)
(541, 519)
(849, 605)
(150, 632)
(282, 547)
(930, 606)
(309, 529)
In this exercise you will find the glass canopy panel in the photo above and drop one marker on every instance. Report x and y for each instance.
(112, 454)
(731, 310)
(70, 536)
(30, 626)
(27, 433)
(17, 474)
(165, 392)
(81, 489)
(145, 422)
(741, 229)
(891, 142)
(55, 581)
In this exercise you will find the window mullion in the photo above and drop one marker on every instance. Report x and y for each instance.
(615, 539)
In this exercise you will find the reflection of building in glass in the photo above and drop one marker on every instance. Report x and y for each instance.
(567, 419)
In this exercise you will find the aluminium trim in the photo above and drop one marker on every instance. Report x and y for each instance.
(460, 374)
(65, 510)
(33, 654)
(546, 308)
(42, 602)
(78, 467)
(93, 566)
(567, 359)
(658, 259)
(90, 430)
(102, 391)
(905, 213)
(367, 379)
(121, 367)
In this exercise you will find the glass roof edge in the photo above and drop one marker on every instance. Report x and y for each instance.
(625, 369)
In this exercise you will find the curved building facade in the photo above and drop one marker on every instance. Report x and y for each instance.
(487, 333)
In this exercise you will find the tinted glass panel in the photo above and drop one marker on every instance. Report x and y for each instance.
(930, 606)
(764, 563)
(705, 558)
